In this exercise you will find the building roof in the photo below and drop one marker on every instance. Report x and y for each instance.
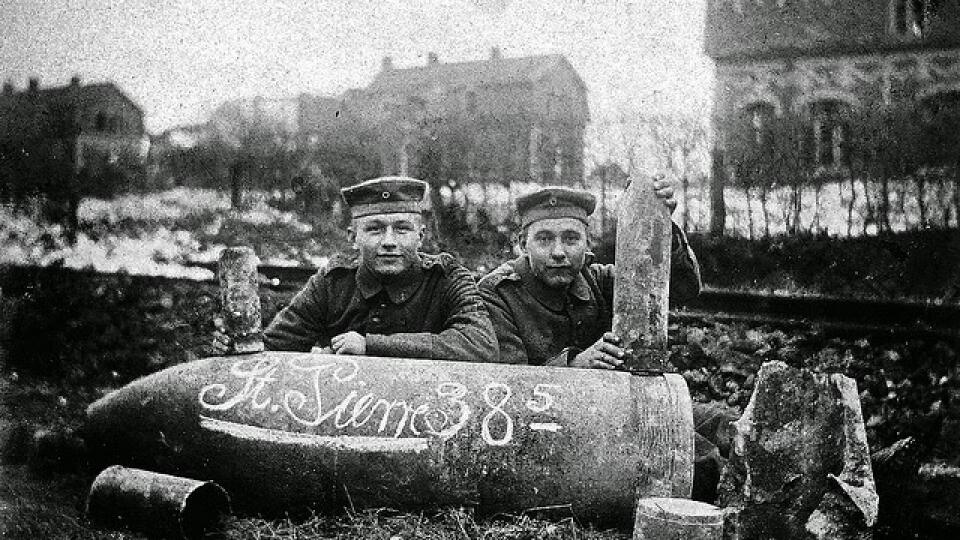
(73, 91)
(744, 29)
(495, 71)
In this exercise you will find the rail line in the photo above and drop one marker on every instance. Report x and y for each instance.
(850, 314)
(836, 314)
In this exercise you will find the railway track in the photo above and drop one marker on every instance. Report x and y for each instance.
(848, 314)
(838, 315)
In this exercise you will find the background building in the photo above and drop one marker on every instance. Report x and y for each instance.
(496, 120)
(818, 58)
(815, 91)
(98, 119)
(68, 141)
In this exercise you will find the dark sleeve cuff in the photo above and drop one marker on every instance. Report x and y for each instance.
(563, 358)
(376, 344)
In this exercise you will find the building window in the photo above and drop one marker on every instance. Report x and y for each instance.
(533, 152)
(911, 18)
(759, 117)
(101, 123)
(404, 160)
(470, 102)
(829, 132)
(940, 136)
(752, 133)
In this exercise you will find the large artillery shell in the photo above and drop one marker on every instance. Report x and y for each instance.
(240, 299)
(158, 504)
(642, 276)
(281, 430)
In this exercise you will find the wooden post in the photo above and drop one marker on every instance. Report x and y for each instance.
(603, 201)
(642, 277)
(718, 208)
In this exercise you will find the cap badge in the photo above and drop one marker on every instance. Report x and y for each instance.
(385, 194)
(553, 201)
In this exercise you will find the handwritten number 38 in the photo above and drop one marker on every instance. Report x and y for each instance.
(496, 409)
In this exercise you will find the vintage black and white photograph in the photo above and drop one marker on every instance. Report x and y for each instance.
(480, 269)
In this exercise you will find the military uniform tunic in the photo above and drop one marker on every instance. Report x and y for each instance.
(433, 312)
(538, 325)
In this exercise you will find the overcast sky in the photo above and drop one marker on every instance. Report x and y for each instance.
(180, 58)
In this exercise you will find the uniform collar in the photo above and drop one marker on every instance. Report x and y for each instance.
(399, 290)
(548, 296)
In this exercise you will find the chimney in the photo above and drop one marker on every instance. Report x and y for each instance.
(432, 59)
(34, 84)
(386, 64)
(495, 53)
(7, 88)
(75, 80)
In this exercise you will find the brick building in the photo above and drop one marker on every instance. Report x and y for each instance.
(91, 124)
(820, 59)
(498, 120)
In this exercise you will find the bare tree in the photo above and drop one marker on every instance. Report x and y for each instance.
(681, 145)
(260, 153)
(673, 145)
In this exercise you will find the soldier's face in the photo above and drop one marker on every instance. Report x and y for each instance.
(556, 248)
(388, 243)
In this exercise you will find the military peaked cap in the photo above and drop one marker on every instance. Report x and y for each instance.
(385, 195)
(555, 202)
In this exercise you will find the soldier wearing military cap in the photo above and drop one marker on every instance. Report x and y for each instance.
(553, 306)
(392, 300)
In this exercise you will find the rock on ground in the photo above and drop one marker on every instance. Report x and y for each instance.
(800, 464)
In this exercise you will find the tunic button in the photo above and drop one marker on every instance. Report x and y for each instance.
(375, 319)
(579, 323)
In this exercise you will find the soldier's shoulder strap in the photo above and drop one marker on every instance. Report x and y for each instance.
(339, 264)
(444, 262)
(503, 274)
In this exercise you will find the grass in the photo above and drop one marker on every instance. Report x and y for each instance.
(446, 524)
(37, 505)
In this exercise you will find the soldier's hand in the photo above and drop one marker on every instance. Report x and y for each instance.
(349, 343)
(222, 344)
(665, 192)
(604, 354)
